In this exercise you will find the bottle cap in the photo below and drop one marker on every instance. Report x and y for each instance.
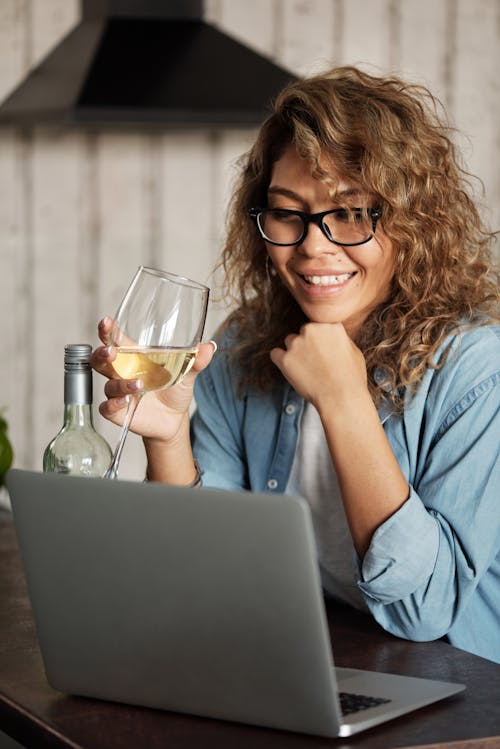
(77, 357)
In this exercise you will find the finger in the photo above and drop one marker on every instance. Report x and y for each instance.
(102, 360)
(117, 388)
(114, 409)
(110, 333)
(277, 355)
(104, 329)
(204, 356)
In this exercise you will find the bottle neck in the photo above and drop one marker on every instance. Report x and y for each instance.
(78, 414)
(78, 398)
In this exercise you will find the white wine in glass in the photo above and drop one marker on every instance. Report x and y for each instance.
(156, 332)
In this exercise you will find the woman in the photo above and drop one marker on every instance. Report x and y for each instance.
(361, 366)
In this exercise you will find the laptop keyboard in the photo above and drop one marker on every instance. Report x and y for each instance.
(352, 703)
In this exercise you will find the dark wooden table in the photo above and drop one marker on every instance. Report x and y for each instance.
(37, 716)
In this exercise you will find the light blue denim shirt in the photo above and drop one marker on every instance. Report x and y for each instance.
(433, 568)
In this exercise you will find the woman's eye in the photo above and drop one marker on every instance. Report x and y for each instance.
(341, 215)
(352, 215)
(282, 216)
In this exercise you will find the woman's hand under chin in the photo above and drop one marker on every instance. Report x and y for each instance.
(322, 364)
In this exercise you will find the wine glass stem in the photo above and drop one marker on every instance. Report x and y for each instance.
(112, 472)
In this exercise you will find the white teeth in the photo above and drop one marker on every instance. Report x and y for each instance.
(328, 280)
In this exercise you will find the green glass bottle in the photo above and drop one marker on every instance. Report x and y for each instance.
(77, 449)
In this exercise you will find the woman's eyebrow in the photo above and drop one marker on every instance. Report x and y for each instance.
(283, 191)
(350, 192)
(347, 192)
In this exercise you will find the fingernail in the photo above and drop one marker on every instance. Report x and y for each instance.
(123, 401)
(214, 344)
(135, 385)
(106, 352)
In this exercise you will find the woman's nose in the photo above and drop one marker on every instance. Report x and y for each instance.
(316, 243)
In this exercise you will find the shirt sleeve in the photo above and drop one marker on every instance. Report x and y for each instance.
(427, 560)
(216, 427)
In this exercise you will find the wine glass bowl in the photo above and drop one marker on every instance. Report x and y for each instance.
(156, 368)
(155, 333)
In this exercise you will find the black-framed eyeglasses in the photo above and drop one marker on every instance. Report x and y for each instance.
(347, 227)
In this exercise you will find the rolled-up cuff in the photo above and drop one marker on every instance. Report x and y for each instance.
(402, 554)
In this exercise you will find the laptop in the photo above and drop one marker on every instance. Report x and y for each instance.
(206, 602)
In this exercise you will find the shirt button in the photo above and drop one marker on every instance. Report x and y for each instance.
(290, 409)
(272, 484)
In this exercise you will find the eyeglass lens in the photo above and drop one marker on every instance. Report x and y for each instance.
(344, 226)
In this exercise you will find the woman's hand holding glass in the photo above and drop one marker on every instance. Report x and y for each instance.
(152, 344)
(162, 412)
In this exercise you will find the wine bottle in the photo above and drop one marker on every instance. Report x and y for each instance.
(77, 448)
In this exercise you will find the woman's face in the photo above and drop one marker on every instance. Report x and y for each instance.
(330, 283)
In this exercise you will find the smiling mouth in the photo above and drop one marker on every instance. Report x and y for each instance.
(328, 280)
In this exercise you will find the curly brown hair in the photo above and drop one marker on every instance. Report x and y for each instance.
(388, 135)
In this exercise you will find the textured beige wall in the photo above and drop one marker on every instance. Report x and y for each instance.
(79, 212)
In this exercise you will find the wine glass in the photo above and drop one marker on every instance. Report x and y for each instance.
(156, 333)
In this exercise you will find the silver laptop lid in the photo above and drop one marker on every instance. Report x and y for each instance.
(207, 602)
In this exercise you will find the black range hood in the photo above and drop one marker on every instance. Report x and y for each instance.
(146, 62)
